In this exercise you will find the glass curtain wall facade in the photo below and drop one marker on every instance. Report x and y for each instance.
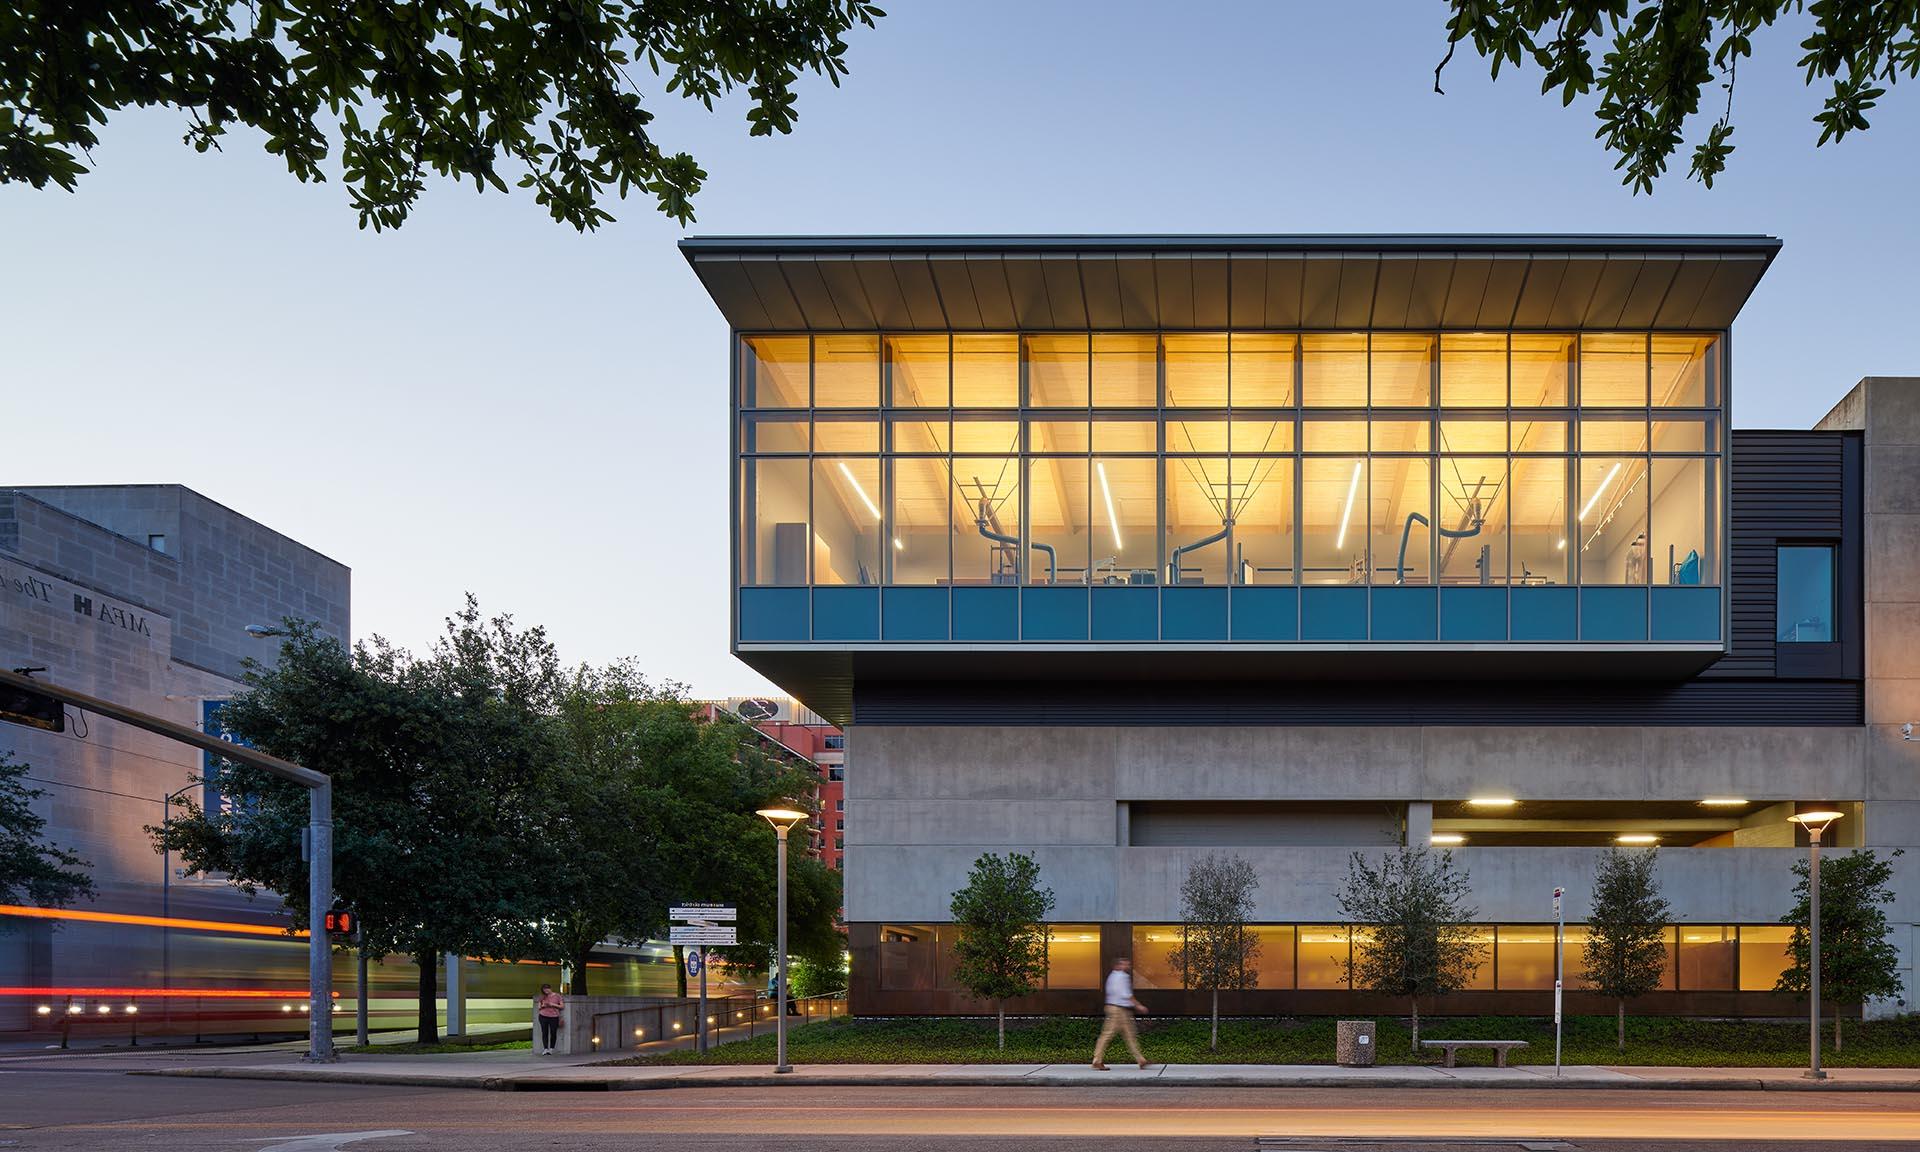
(1245, 459)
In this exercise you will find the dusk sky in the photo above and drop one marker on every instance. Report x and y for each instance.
(487, 401)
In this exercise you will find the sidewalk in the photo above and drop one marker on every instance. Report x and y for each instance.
(523, 1072)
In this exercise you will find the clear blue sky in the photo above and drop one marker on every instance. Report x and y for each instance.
(485, 400)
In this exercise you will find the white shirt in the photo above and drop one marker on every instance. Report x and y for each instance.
(1120, 988)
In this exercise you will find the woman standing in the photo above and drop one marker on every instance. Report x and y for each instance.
(548, 1006)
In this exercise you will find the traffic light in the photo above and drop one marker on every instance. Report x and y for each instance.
(22, 706)
(341, 922)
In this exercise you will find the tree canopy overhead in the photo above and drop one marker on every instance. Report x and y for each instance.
(539, 92)
(1660, 56)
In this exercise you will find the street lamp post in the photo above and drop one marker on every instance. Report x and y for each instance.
(783, 820)
(1815, 823)
(166, 914)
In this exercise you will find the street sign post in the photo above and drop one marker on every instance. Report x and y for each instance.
(703, 928)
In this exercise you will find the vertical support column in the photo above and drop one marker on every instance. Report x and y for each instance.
(456, 997)
(1419, 823)
(1124, 828)
(319, 947)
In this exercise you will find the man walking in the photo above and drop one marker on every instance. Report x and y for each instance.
(1120, 1009)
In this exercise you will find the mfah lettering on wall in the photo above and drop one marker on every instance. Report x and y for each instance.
(26, 586)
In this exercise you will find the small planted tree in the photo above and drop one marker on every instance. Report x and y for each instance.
(1626, 932)
(1002, 919)
(1857, 961)
(1413, 905)
(1217, 948)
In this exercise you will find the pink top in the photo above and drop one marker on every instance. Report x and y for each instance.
(550, 1004)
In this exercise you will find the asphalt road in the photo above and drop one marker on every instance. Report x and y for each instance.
(74, 1107)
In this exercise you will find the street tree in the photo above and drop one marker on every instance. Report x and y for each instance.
(440, 766)
(1626, 953)
(1660, 56)
(538, 92)
(1411, 932)
(33, 871)
(1858, 962)
(1001, 920)
(1217, 948)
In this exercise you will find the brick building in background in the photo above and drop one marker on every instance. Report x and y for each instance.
(807, 734)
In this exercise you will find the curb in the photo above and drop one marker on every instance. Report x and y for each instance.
(768, 1080)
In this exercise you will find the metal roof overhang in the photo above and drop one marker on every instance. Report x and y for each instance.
(1109, 283)
(822, 676)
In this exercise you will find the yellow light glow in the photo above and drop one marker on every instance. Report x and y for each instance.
(1591, 500)
(1493, 801)
(106, 1010)
(676, 1025)
(868, 500)
(1106, 490)
(1353, 489)
(1723, 802)
(781, 816)
(897, 546)
(1636, 838)
(132, 1009)
(1447, 839)
(1821, 817)
(1562, 546)
(44, 1010)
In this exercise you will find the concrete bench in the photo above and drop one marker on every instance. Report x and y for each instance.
(1499, 1047)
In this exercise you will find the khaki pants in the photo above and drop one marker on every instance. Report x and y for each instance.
(1118, 1020)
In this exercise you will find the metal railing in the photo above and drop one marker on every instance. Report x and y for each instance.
(729, 1018)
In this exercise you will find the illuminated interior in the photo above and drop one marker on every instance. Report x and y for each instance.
(1385, 458)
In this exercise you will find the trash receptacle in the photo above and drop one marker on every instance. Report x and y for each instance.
(1353, 1044)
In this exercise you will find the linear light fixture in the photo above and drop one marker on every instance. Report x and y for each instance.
(1723, 802)
(1447, 839)
(1107, 491)
(1353, 489)
(1493, 801)
(1591, 500)
(1636, 838)
(868, 500)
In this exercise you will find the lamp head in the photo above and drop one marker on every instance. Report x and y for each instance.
(1815, 822)
(781, 818)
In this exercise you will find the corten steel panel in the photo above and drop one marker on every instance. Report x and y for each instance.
(1209, 291)
(884, 295)
(1427, 302)
(991, 292)
(1359, 272)
(1535, 306)
(1733, 281)
(1065, 297)
(1320, 292)
(1247, 292)
(1100, 284)
(1649, 291)
(1286, 293)
(810, 291)
(783, 311)
(950, 279)
(1027, 285)
(1173, 289)
(1390, 294)
(727, 282)
(1465, 290)
(1610, 293)
(1569, 308)
(849, 295)
(1683, 295)
(1139, 295)
(1506, 276)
